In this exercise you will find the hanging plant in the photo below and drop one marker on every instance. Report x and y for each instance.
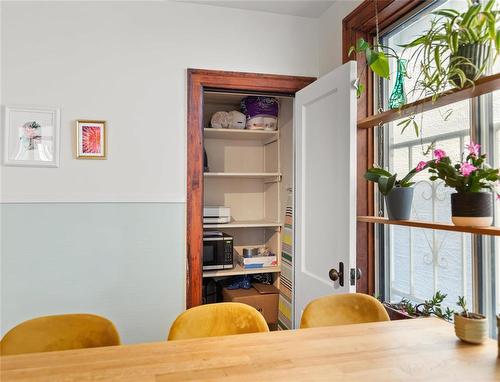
(377, 58)
(457, 49)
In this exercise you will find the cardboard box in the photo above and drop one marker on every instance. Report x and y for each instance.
(262, 297)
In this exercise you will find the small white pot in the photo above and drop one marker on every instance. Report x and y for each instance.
(472, 330)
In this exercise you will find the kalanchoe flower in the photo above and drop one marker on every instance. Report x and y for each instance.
(420, 166)
(466, 169)
(473, 148)
(439, 154)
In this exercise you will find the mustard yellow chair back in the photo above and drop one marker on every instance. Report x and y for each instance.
(220, 319)
(61, 332)
(343, 309)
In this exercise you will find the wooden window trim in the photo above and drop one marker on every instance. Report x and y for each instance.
(362, 23)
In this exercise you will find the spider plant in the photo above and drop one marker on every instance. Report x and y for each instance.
(457, 49)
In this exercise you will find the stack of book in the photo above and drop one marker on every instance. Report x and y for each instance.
(258, 261)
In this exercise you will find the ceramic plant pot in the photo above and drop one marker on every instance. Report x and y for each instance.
(471, 59)
(472, 330)
(473, 209)
(398, 203)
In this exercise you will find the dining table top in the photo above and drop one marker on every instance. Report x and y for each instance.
(405, 350)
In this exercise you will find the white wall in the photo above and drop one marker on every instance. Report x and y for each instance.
(126, 63)
(330, 34)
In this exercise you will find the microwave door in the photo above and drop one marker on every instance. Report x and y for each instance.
(210, 257)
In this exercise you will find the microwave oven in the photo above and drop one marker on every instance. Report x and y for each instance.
(217, 251)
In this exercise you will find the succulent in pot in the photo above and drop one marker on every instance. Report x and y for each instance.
(398, 194)
(475, 183)
(470, 327)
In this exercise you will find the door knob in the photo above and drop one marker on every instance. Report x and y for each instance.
(337, 275)
(334, 274)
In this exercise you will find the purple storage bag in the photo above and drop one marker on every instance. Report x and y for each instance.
(253, 106)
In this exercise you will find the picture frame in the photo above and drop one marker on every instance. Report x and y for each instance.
(91, 139)
(31, 136)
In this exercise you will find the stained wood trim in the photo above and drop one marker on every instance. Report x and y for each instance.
(483, 85)
(492, 231)
(198, 80)
(361, 23)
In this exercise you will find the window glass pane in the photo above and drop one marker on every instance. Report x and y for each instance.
(424, 261)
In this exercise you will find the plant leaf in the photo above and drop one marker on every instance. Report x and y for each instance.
(362, 45)
(450, 13)
(378, 62)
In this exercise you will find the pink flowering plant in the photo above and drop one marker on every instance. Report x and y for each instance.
(471, 174)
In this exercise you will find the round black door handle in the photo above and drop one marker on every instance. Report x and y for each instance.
(334, 274)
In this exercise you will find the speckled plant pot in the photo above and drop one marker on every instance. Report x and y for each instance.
(472, 330)
(473, 209)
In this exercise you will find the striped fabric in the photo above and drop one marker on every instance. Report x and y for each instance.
(286, 278)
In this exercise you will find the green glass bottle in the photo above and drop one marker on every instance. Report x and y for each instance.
(398, 95)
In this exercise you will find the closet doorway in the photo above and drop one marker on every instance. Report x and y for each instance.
(199, 83)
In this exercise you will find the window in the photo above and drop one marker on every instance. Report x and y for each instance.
(419, 262)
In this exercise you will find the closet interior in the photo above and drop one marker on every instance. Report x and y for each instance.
(250, 173)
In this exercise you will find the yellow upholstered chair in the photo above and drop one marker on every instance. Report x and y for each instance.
(61, 332)
(343, 309)
(213, 320)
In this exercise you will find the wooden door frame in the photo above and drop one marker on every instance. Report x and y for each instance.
(361, 23)
(197, 81)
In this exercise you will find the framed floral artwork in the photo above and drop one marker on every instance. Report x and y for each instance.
(31, 136)
(90, 139)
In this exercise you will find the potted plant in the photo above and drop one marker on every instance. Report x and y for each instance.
(458, 48)
(470, 205)
(470, 327)
(398, 194)
(432, 307)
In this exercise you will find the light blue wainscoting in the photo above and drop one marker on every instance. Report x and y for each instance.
(125, 261)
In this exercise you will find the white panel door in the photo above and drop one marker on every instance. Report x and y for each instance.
(325, 184)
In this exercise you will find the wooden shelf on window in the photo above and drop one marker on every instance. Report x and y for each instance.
(492, 231)
(483, 85)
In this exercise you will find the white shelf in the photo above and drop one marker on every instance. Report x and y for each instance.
(245, 224)
(247, 175)
(241, 134)
(239, 270)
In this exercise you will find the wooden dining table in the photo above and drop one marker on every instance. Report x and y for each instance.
(405, 350)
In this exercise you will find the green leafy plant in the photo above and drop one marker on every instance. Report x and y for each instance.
(465, 312)
(462, 304)
(438, 50)
(387, 181)
(469, 175)
(377, 58)
(430, 307)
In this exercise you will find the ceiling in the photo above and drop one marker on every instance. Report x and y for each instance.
(304, 8)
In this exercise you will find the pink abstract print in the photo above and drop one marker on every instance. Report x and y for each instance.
(91, 139)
